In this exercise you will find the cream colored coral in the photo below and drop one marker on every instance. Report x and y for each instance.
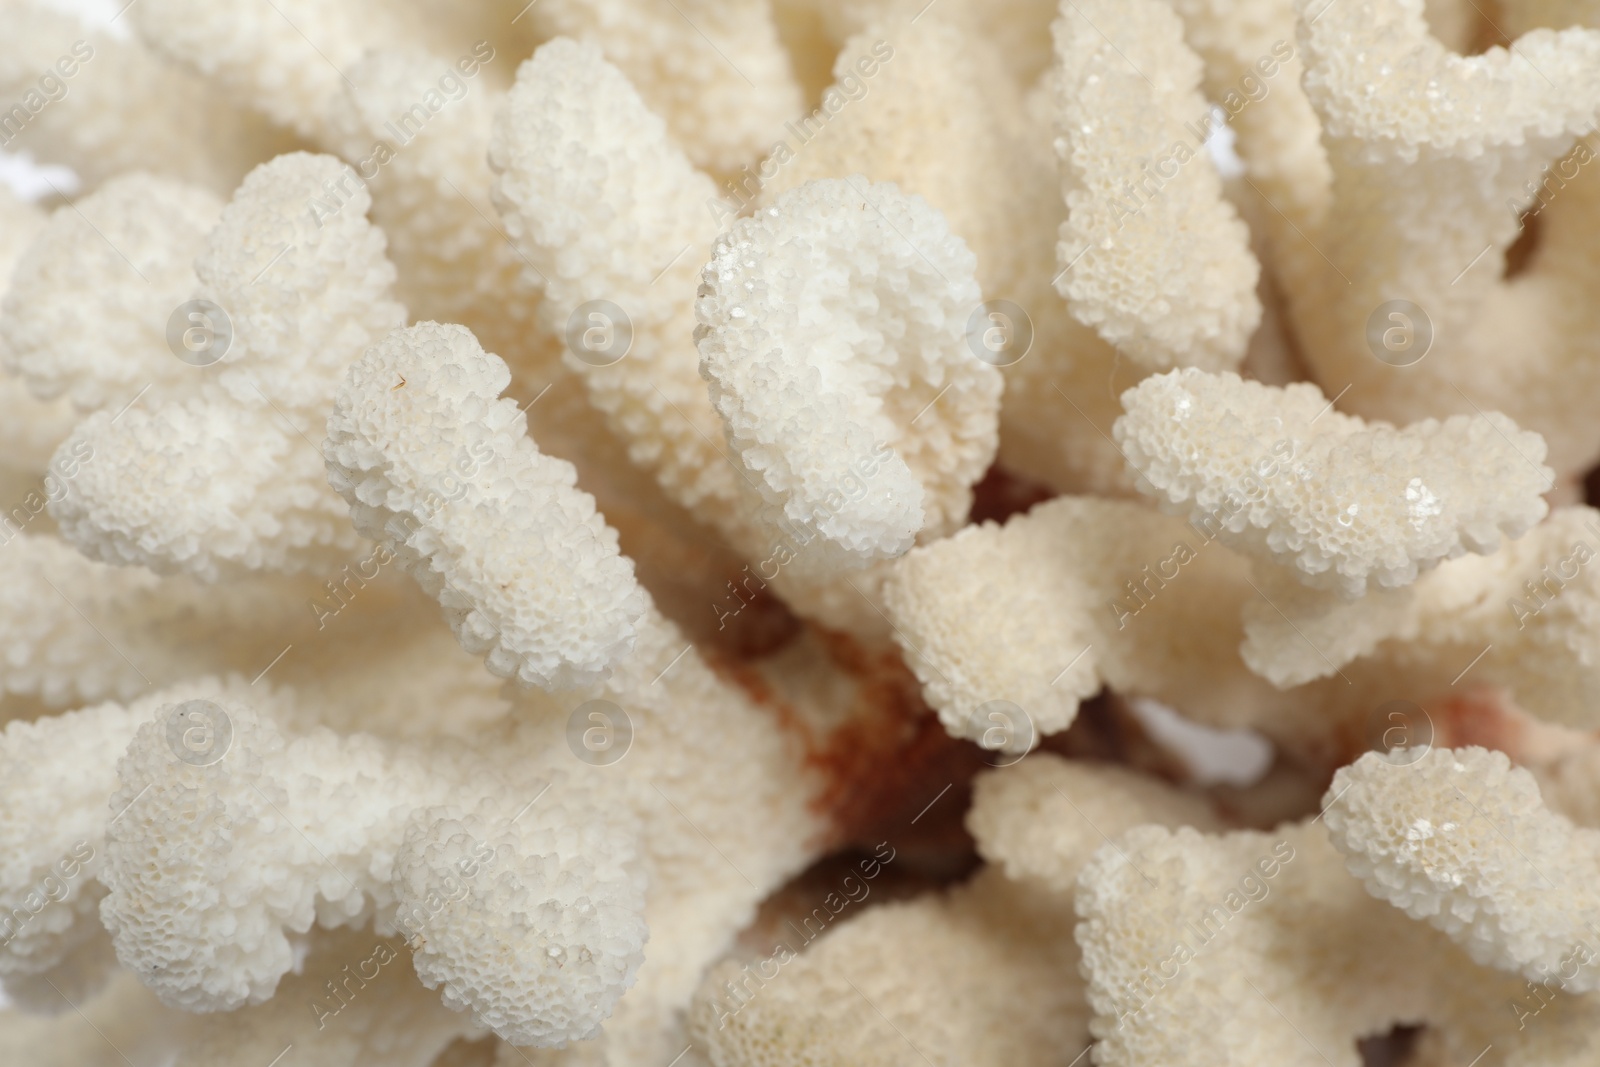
(717, 73)
(1521, 619)
(87, 313)
(1044, 818)
(1461, 839)
(242, 486)
(354, 1001)
(286, 58)
(754, 807)
(1257, 948)
(1567, 785)
(125, 1019)
(53, 876)
(1152, 255)
(55, 843)
(432, 824)
(31, 429)
(991, 979)
(722, 825)
(1434, 155)
(905, 67)
(616, 266)
(1281, 475)
(1294, 634)
(434, 462)
(1009, 628)
(74, 630)
(833, 335)
(120, 106)
(717, 702)
(1253, 70)
(636, 242)
(891, 74)
(455, 263)
(429, 179)
(1010, 929)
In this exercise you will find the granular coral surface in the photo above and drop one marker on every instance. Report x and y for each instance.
(799, 533)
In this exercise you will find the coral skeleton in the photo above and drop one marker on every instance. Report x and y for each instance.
(794, 533)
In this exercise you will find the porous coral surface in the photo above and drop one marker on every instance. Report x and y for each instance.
(799, 533)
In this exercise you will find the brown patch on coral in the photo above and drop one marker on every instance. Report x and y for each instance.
(1001, 494)
(1477, 717)
(1591, 488)
(1472, 715)
(1520, 255)
(888, 770)
(890, 773)
(752, 622)
(926, 765)
(895, 775)
(1393, 1049)
(1486, 35)
(1489, 717)
(465, 1052)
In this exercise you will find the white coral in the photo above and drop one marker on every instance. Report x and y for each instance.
(1281, 475)
(1461, 839)
(1010, 628)
(241, 485)
(1151, 255)
(832, 324)
(128, 249)
(264, 803)
(432, 460)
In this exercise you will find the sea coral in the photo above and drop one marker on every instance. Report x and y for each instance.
(702, 534)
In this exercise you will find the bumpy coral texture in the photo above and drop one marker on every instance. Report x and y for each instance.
(605, 206)
(1182, 935)
(1146, 222)
(1288, 479)
(1011, 628)
(987, 948)
(827, 342)
(432, 458)
(152, 230)
(610, 533)
(240, 483)
(1438, 155)
(1461, 839)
